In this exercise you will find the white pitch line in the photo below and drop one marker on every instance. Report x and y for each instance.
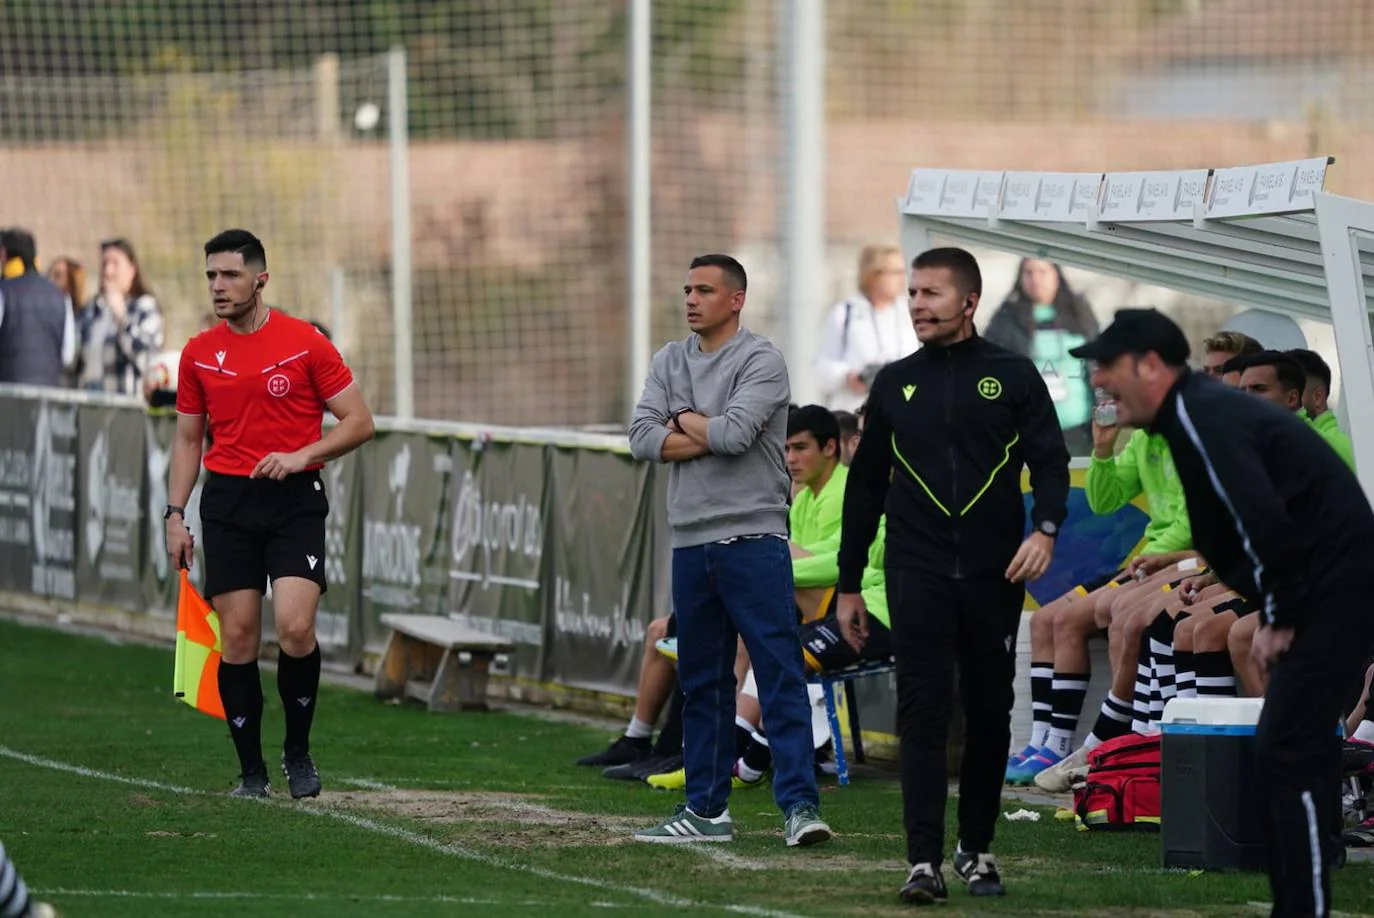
(291, 897)
(92, 773)
(414, 838)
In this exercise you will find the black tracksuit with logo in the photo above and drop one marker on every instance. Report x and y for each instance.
(1283, 522)
(947, 431)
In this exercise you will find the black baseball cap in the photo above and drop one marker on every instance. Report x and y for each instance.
(1137, 331)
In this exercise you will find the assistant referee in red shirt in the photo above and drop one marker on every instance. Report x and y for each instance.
(261, 380)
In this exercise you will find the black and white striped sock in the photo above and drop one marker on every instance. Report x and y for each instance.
(1042, 702)
(1185, 674)
(1069, 691)
(1215, 677)
(1112, 721)
(1159, 639)
(14, 895)
(1140, 701)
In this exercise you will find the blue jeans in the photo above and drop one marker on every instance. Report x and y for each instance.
(720, 591)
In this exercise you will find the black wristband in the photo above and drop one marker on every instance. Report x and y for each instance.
(171, 509)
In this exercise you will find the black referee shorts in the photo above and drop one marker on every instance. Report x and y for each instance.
(256, 529)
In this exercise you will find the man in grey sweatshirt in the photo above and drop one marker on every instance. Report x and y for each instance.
(715, 407)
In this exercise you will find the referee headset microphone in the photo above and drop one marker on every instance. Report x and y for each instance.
(257, 285)
(957, 317)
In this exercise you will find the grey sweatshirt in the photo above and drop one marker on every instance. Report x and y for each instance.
(740, 488)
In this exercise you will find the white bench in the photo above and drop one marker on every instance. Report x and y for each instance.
(437, 661)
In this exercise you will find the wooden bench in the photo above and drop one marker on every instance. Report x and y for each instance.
(437, 661)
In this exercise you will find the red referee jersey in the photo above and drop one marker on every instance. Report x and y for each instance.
(262, 393)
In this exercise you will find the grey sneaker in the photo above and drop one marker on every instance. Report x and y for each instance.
(301, 777)
(685, 826)
(253, 785)
(804, 826)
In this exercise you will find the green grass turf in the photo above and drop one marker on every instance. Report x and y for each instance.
(484, 815)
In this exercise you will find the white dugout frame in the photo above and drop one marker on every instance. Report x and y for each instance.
(1263, 236)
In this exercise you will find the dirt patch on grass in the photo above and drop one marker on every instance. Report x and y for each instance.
(512, 820)
(142, 800)
(456, 806)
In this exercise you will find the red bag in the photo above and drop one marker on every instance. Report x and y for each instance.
(1122, 787)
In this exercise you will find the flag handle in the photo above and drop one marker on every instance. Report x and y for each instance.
(179, 666)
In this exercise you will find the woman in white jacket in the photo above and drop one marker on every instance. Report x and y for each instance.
(866, 330)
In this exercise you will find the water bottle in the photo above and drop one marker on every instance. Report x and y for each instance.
(1104, 414)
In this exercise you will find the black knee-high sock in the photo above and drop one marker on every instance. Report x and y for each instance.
(1042, 702)
(1186, 674)
(240, 688)
(758, 755)
(670, 737)
(298, 683)
(1162, 651)
(1069, 691)
(1140, 701)
(1215, 676)
(744, 735)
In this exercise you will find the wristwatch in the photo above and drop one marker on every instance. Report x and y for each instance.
(1045, 527)
(172, 508)
(674, 419)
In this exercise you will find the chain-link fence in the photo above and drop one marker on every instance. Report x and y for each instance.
(163, 121)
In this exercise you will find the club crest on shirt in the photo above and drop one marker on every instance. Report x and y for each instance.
(278, 384)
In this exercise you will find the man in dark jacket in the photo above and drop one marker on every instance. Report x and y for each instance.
(36, 332)
(947, 431)
(1283, 522)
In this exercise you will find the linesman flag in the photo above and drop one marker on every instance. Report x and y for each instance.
(195, 677)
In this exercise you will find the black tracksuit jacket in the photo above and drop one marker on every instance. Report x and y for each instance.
(946, 433)
(1275, 511)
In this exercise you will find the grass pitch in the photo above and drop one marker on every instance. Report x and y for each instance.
(114, 805)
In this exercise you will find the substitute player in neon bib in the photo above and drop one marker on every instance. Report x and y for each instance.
(261, 380)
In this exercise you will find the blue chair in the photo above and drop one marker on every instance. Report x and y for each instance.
(847, 676)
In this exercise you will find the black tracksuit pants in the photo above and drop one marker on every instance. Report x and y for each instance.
(938, 621)
(1299, 752)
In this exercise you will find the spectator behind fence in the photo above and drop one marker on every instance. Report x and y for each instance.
(160, 382)
(69, 276)
(122, 330)
(867, 330)
(37, 337)
(1041, 319)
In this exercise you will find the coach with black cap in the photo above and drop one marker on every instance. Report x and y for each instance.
(1285, 524)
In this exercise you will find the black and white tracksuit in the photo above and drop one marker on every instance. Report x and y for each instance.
(1284, 522)
(947, 431)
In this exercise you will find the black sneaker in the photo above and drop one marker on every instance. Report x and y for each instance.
(253, 785)
(979, 871)
(924, 886)
(638, 771)
(301, 777)
(623, 751)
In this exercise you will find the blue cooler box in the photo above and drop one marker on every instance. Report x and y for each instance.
(1211, 815)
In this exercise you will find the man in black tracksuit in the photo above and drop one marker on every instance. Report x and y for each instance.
(1283, 522)
(946, 433)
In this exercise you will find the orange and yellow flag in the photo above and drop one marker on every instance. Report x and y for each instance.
(195, 676)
